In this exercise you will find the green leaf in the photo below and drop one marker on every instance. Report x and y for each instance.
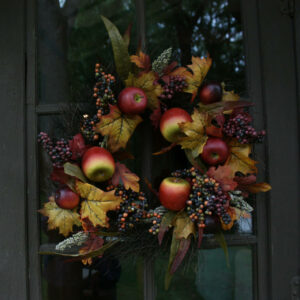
(221, 240)
(121, 56)
(75, 171)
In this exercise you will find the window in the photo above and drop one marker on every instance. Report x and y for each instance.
(71, 39)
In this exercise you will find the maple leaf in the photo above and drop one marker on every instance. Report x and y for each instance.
(229, 95)
(63, 219)
(94, 243)
(118, 127)
(156, 116)
(232, 213)
(239, 160)
(124, 175)
(199, 67)
(142, 60)
(96, 203)
(146, 82)
(77, 146)
(248, 184)
(224, 176)
(195, 136)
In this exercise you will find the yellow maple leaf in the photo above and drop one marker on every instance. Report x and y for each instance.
(200, 67)
(63, 219)
(146, 82)
(96, 203)
(183, 226)
(118, 127)
(229, 95)
(239, 160)
(195, 136)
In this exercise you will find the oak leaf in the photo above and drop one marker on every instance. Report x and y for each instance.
(147, 82)
(126, 177)
(199, 67)
(239, 160)
(194, 133)
(59, 218)
(118, 127)
(142, 60)
(96, 203)
(224, 176)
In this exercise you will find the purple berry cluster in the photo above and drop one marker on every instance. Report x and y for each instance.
(207, 199)
(176, 84)
(239, 126)
(59, 151)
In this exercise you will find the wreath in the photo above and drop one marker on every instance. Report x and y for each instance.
(98, 205)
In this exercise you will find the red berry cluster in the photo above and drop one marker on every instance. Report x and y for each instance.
(103, 91)
(238, 126)
(176, 84)
(207, 199)
(132, 209)
(59, 151)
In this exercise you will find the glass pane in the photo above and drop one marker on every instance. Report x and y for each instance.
(206, 276)
(107, 278)
(71, 39)
(199, 27)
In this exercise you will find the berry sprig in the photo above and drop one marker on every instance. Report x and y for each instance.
(103, 91)
(58, 151)
(177, 84)
(133, 208)
(156, 218)
(88, 128)
(206, 199)
(238, 126)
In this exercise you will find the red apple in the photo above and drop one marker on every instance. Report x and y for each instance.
(215, 151)
(66, 198)
(174, 192)
(210, 93)
(98, 164)
(169, 123)
(132, 101)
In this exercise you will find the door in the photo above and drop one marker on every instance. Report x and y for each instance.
(35, 85)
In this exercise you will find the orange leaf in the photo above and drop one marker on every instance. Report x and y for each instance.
(239, 160)
(233, 216)
(92, 244)
(199, 67)
(258, 187)
(146, 82)
(248, 184)
(142, 60)
(224, 176)
(96, 203)
(118, 127)
(59, 218)
(125, 176)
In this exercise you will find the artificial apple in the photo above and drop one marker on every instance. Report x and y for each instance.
(174, 192)
(215, 151)
(169, 123)
(132, 101)
(210, 93)
(98, 164)
(66, 198)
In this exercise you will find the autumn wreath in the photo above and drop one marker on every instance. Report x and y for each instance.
(98, 200)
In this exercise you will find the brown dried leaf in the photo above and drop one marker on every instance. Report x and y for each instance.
(142, 60)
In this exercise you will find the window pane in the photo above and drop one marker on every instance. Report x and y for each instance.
(206, 276)
(71, 39)
(107, 278)
(199, 27)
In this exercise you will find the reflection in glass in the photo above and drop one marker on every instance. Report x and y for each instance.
(199, 27)
(207, 277)
(71, 39)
